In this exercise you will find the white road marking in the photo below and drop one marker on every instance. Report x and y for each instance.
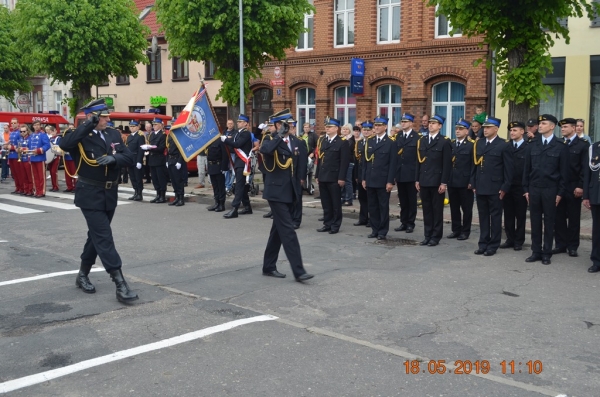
(151, 192)
(311, 202)
(43, 276)
(17, 210)
(35, 379)
(37, 201)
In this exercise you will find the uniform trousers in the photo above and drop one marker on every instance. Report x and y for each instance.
(379, 210)
(283, 233)
(461, 209)
(70, 170)
(38, 177)
(363, 215)
(53, 168)
(595, 256)
(100, 240)
(218, 184)
(137, 177)
(159, 178)
(407, 194)
(515, 216)
(16, 169)
(241, 189)
(348, 189)
(542, 211)
(27, 177)
(567, 223)
(176, 179)
(489, 207)
(331, 201)
(433, 213)
(297, 212)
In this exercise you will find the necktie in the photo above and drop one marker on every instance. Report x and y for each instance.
(101, 136)
(487, 143)
(516, 146)
(545, 142)
(405, 136)
(430, 140)
(457, 145)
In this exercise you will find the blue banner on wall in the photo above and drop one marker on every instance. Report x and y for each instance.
(357, 67)
(357, 85)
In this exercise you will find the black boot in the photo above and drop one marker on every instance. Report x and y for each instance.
(134, 195)
(221, 206)
(268, 214)
(247, 210)
(161, 197)
(180, 202)
(138, 195)
(174, 202)
(214, 206)
(82, 281)
(155, 199)
(124, 294)
(231, 214)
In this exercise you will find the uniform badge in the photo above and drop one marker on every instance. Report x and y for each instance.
(90, 134)
(112, 145)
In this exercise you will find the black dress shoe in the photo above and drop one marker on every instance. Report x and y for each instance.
(304, 277)
(268, 214)
(424, 242)
(410, 229)
(489, 253)
(546, 260)
(274, 273)
(359, 223)
(573, 253)
(347, 203)
(462, 237)
(479, 251)
(506, 245)
(559, 251)
(594, 269)
(246, 211)
(381, 238)
(453, 235)
(324, 229)
(372, 235)
(533, 258)
(400, 228)
(517, 248)
(432, 243)
(321, 219)
(333, 231)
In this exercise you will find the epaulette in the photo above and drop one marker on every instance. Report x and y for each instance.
(343, 138)
(446, 137)
(471, 140)
(393, 138)
(454, 140)
(507, 140)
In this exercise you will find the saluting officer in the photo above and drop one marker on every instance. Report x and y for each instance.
(568, 211)
(493, 176)
(100, 153)
(217, 166)
(460, 189)
(544, 182)
(284, 168)
(157, 142)
(134, 142)
(334, 157)
(240, 145)
(378, 169)
(359, 152)
(591, 201)
(406, 142)
(434, 164)
(514, 203)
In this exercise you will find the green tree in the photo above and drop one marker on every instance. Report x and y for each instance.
(82, 41)
(13, 71)
(209, 30)
(513, 31)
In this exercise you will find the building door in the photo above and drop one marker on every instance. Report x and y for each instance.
(261, 106)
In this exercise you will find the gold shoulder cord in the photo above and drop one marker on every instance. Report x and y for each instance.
(83, 157)
(475, 160)
(319, 144)
(367, 158)
(421, 160)
(288, 163)
(357, 154)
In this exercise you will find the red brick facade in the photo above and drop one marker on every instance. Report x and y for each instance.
(416, 63)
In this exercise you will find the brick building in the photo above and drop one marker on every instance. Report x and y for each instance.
(411, 65)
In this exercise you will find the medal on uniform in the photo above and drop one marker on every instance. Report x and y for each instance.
(112, 145)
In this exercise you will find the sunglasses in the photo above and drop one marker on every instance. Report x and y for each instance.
(23, 130)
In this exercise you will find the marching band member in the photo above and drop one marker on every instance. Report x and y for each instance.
(25, 166)
(53, 166)
(38, 145)
(14, 156)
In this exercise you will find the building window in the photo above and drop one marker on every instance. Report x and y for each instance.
(153, 69)
(389, 21)
(389, 102)
(261, 105)
(556, 82)
(305, 41)
(104, 84)
(345, 105)
(596, 21)
(443, 27)
(593, 127)
(180, 69)
(344, 23)
(176, 109)
(132, 109)
(122, 80)
(449, 101)
(57, 100)
(306, 106)
(209, 70)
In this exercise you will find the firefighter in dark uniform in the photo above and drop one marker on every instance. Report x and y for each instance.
(378, 171)
(591, 201)
(460, 189)
(568, 211)
(217, 165)
(406, 141)
(285, 168)
(157, 142)
(434, 164)
(514, 203)
(363, 214)
(334, 157)
(100, 153)
(134, 142)
(174, 164)
(240, 145)
(544, 182)
(303, 150)
(493, 176)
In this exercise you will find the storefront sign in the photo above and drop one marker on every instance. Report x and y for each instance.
(277, 82)
(110, 102)
(23, 102)
(158, 100)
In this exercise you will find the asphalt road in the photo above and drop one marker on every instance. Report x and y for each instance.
(373, 311)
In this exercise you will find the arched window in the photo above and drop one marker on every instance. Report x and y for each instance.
(261, 105)
(449, 101)
(389, 103)
(345, 105)
(305, 106)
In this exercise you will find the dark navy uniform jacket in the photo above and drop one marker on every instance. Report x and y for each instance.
(578, 160)
(437, 163)
(283, 185)
(134, 141)
(241, 140)
(217, 159)
(407, 160)
(495, 172)
(591, 185)
(547, 166)
(519, 156)
(379, 162)
(334, 158)
(156, 158)
(463, 167)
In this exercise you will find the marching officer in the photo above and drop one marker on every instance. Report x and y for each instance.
(544, 182)
(406, 142)
(514, 202)
(591, 201)
(284, 168)
(157, 142)
(568, 211)
(303, 151)
(240, 143)
(460, 189)
(334, 157)
(134, 142)
(493, 176)
(174, 164)
(217, 166)
(378, 171)
(359, 151)
(101, 154)
(434, 164)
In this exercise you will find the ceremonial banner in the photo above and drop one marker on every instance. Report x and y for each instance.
(196, 127)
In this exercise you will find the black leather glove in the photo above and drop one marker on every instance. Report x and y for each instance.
(94, 120)
(283, 130)
(106, 160)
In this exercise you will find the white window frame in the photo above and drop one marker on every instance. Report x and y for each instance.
(437, 24)
(58, 95)
(307, 107)
(311, 32)
(389, 106)
(346, 12)
(390, 6)
(346, 106)
(448, 128)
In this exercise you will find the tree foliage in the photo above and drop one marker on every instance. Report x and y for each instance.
(513, 30)
(82, 41)
(205, 30)
(13, 71)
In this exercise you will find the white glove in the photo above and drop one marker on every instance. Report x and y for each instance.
(144, 147)
(224, 172)
(138, 166)
(167, 165)
(178, 166)
(223, 137)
